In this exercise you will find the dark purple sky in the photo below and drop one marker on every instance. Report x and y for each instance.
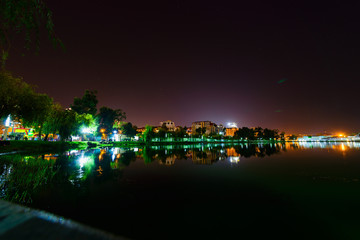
(207, 60)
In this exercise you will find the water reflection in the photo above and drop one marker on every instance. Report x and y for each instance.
(22, 176)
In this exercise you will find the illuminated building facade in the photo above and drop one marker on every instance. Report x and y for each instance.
(230, 132)
(210, 126)
(169, 124)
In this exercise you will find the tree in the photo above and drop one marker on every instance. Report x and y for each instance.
(128, 130)
(86, 104)
(271, 134)
(200, 131)
(293, 137)
(245, 133)
(34, 110)
(180, 132)
(24, 16)
(282, 135)
(259, 132)
(86, 123)
(12, 91)
(107, 118)
(53, 121)
(68, 124)
(163, 130)
(148, 133)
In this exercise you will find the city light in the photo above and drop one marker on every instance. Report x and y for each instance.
(7, 121)
(232, 124)
(85, 130)
(88, 130)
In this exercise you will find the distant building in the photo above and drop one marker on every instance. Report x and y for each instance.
(230, 132)
(169, 124)
(221, 129)
(140, 130)
(210, 127)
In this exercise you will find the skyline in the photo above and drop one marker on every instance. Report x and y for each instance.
(274, 65)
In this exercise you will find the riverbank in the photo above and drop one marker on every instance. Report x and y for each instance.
(40, 146)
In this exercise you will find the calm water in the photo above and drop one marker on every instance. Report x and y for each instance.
(287, 191)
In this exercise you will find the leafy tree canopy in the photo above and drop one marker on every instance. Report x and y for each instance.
(25, 17)
(12, 93)
(108, 116)
(128, 129)
(180, 132)
(34, 110)
(148, 133)
(68, 124)
(86, 104)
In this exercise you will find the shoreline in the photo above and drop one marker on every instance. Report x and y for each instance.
(21, 146)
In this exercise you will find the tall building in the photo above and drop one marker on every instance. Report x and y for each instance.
(210, 126)
(169, 124)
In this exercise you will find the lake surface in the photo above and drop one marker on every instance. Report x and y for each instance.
(286, 191)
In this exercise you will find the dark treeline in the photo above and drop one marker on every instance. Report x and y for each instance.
(258, 133)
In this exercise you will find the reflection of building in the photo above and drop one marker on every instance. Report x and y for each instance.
(204, 157)
(208, 125)
(168, 161)
(169, 124)
(230, 131)
(50, 157)
(231, 152)
(233, 156)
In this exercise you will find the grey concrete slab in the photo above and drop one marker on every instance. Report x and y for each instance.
(18, 222)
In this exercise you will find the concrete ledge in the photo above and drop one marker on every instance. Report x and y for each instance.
(18, 222)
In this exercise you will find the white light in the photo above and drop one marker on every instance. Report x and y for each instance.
(85, 130)
(73, 152)
(136, 149)
(136, 138)
(7, 121)
(234, 159)
(115, 132)
(232, 124)
(83, 160)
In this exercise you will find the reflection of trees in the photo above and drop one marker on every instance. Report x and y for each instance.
(148, 154)
(127, 157)
(257, 150)
(22, 176)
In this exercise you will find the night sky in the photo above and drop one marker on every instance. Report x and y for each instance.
(286, 65)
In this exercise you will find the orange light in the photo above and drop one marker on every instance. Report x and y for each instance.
(343, 147)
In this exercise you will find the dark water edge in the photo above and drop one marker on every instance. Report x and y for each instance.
(282, 191)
